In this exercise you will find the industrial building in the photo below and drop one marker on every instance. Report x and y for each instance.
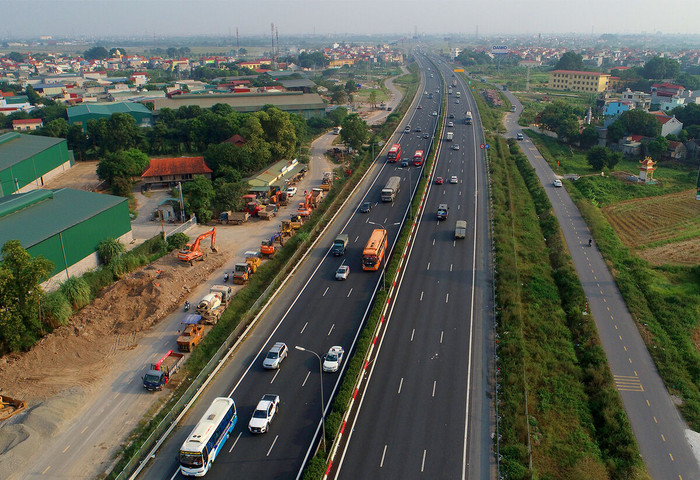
(65, 226)
(28, 161)
(275, 177)
(305, 104)
(82, 114)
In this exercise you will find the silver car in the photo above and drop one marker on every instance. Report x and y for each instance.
(274, 357)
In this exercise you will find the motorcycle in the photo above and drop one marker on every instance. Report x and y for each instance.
(225, 277)
(187, 305)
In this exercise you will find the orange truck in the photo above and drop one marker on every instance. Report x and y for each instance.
(191, 336)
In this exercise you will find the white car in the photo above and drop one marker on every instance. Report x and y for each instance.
(342, 272)
(453, 179)
(455, 146)
(291, 191)
(264, 413)
(557, 183)
(450, 124)
(333, 359)
(434, 113)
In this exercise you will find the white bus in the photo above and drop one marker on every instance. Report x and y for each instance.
(208, 437)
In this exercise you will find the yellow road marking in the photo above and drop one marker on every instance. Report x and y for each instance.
(671, 457)
(83, 430)
(615, 327)
(116, 395)
(662, 437)
(649, 405)
(630, 360)
(628, 383)
(66, 449)
(655, 420)
(620, 337)
(47, 469)
(624, 348)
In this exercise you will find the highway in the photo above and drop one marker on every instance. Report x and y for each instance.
(315, 312)
(656, 422)
(425, 412)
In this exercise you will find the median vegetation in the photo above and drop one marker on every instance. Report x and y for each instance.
(558, 407)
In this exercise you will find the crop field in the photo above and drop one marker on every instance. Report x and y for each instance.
(663, 229)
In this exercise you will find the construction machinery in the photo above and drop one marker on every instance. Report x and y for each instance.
(241, 273)
(267, 247)
(252, 205)
(296, 221)
(191, 252)
(268, 212)
(253, 259)
(160, 373)
(236, 218)
(305, 207)
(316, 197)
(213, 304)
(10, 406)
(286, 228)
(191, 336)
(327, 181)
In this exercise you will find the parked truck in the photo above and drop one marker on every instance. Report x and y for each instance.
(450, 135)
(190, 337)
(316, 197)
(327, 181)
(268, 212)
(235, 218)
(339, 244)
(160, 373)
(212, 306)
(391, 188)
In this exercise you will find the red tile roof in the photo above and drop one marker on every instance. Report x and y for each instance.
(236, 140)
(668, 85)
(176, 166)
(27, 121)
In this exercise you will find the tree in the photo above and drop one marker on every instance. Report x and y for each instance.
(597, 157)
(229, 195)
(350, 86)
(337, 115)
(613, 159)
(373, 98)
(279, 132)
(339, 97)
(33, 96)
(355, 131)
(96, 53)
(21, 295)
(658, 68)
(690, 82)
(118, 169)
(57, 128)
(199, 195)
(16, 57)
(570, 61)
(588, 137)
(108, 249)
(634, 122)
(657, 147)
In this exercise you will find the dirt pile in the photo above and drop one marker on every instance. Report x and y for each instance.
(70, 356)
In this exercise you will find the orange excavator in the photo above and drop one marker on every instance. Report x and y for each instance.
(191, 252)
(305, 207)
(267, 247)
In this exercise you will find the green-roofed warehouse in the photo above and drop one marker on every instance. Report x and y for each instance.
(28, 161)
(64, 225)
(82, 114)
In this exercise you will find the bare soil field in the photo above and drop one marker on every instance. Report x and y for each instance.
(668, 225)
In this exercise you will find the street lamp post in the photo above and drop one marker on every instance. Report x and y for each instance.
(323, 409)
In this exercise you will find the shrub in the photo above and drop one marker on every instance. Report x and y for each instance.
(77, 292)
(108, 249)
(177, 241)
(57, 310)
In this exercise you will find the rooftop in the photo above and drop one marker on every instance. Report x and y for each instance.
(57, 209)
(176, 166)
(16, 147)
(106, 108)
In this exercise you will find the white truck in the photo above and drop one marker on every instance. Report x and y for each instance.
(391, 189)
(450, 135)
(213, 304)
(468, 118)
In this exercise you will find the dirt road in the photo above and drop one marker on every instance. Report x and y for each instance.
(91, 398)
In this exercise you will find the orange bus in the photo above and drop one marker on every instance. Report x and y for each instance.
(394, 153)
(374, 251)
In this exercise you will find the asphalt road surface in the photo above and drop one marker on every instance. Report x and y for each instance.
(657, 424)
(425, 412)
(316, 313)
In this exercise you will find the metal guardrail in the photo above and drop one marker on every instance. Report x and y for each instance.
(183, 228)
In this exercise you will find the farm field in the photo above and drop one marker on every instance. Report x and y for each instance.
(663, 229)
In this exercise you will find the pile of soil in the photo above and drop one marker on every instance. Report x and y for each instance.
(70, 355)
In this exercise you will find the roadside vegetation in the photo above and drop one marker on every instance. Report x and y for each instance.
(557, 394)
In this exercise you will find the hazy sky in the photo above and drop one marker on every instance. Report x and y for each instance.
(253, 17)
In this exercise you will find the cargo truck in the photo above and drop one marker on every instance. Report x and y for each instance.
(160, 373)
(339, 245)
(391, 189)
(461, 229)
(190, 337)
(468, 118)
(449, 136)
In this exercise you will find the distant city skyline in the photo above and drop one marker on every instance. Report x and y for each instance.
(101, 18)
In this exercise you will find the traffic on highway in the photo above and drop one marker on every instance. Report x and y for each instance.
(322, 318)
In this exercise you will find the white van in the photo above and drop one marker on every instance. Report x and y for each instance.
(461, 229)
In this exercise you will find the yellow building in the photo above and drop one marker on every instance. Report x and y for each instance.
(339, 62)
(579, 81)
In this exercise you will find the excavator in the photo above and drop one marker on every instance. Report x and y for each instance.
(191, 252)
(267, 247)
(286, 228)
(305, 207)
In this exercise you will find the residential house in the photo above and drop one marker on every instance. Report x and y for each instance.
(669, 125)
(663, 92)
(641, 100)
(172, 170)
(27, 124)
(631, 145)
(676, 151)
(616, 107)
